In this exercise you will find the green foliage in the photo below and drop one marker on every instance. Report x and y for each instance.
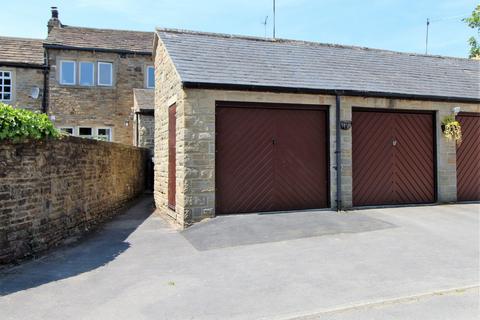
(452, 129)
(474, 22)
(20, 124)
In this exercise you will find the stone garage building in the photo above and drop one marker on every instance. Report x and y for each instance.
(248, 124)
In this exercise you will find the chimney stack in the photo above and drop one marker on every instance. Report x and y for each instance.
(54, 22)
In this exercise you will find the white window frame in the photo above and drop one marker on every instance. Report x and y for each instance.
(109, 137)
(147, 78)
(66, 127)
(86, 136)
(80, 74)
(98, 74)
(74, 73)
(2, 93)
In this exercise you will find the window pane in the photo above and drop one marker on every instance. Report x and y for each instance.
(67, 69)
(85, 131)
(86, 73)
(67, 130)
(103, 134)
(104, 74)
(150, 77)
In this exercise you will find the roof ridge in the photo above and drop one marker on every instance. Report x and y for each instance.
(21, 38)
(281, 40)
(64, 26)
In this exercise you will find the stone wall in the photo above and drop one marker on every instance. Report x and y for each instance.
(53, 190)
(168, 91)
(24, 79)
(145, 126)
(98, 106)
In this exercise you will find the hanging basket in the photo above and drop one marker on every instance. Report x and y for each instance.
(452, 130)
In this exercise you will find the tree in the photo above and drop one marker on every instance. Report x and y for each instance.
(474, 22)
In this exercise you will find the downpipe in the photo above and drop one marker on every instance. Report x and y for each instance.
(338, 153)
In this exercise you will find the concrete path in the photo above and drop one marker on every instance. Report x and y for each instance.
(402, 263)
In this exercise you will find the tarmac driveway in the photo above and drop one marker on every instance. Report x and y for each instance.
(400, 263)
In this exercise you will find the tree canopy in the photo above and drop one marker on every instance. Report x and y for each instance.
(474, 22)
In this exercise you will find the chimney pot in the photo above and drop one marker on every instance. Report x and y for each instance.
(54, 13)
(54, 22)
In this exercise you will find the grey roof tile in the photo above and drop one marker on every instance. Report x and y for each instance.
(21, 51)
(143, 99)
(106, 39)
(207, 58)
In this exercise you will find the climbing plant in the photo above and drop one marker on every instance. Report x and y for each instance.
(20, 124)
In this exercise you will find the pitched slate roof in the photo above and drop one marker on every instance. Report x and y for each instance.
(209, 60)
(101, 39)
(14, 51)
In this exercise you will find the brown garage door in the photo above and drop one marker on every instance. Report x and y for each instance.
(270, 158)
(468, 158)
(393, 158)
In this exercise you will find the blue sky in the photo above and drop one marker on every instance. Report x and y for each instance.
(387, 24)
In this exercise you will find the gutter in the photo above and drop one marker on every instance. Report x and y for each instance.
(62, 47)
(338, 153)
(22, 65)
(148, 112)
(355, 93)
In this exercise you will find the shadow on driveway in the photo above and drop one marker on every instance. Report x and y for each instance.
(93, 251)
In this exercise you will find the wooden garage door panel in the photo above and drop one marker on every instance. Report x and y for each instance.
(468, 159)
(270, 159)
(414, 173)
(301, 162)
(372, 158)
(393, 158)
(244, 160)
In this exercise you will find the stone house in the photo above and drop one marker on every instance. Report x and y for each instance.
(93, 74)
(22, 73)
(249, 124)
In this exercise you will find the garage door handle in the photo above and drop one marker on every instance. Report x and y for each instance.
(394, 143)
(274, 141)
